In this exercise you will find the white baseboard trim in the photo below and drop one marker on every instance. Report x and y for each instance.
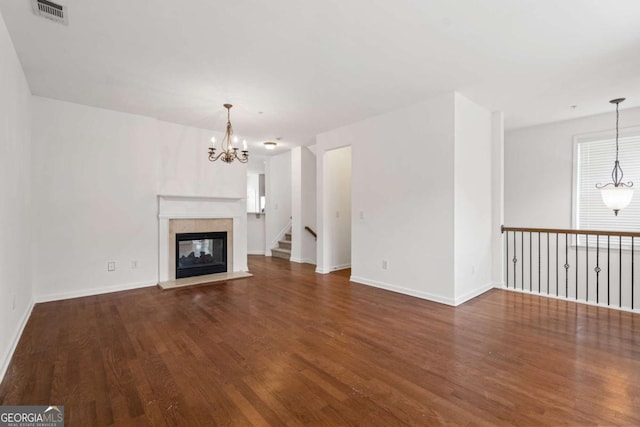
(332, 268)
(470, 295)
(255, 252)
(16, 339)
(498, 285)
(405, 291)
(577, 301)
(93, 291)
(303, 261)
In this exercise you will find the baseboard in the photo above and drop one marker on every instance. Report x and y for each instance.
(255, 252)
(94, 291)
(303, 261)
(332, 268)
(16, 339)
(498, 285)
(405, 291)
(476, 292)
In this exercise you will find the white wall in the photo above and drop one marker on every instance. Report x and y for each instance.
(96, 177)
(539, 168)
(255, 234)
(402, 200)
(303, 204)
(297, 223)
(538, 194)
(308, 191)
(253, 192)
(497, 197)
(278, 197)
(422, 198)
(337, 209)
(16, 262)
(473, 199)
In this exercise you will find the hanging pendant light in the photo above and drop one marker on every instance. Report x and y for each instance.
(616, 195)
(229, 153)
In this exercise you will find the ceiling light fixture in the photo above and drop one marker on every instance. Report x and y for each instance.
(229, 152)
(617, 194)
(270, 145)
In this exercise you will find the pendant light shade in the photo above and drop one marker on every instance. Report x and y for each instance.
(616, 195)
(616, 198)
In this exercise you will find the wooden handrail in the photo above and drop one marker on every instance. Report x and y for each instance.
(310, 230)
(571, 231)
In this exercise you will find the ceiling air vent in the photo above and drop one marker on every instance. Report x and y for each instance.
(50, 10)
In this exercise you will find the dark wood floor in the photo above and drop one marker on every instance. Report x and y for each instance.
(291, 347)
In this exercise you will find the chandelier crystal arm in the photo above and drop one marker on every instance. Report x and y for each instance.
(228, 153)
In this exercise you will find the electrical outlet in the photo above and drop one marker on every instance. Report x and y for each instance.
(134, 264)
(111, 266)
(337, 214)
(361, 214)
(384, 264)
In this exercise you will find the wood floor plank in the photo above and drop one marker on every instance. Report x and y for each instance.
(292, 347)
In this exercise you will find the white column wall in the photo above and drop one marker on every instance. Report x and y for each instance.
(297, 223)
(308, 191)
(402, 198)
(497, 197)
(16, 262)
(473, 199)
(337, 209)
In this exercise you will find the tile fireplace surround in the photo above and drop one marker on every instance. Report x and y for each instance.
(185, 214)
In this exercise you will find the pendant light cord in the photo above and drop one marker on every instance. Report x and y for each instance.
(617, 132)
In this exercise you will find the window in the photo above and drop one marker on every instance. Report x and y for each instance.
(594, 157)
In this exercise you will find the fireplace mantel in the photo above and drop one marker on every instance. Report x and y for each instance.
(172, 207)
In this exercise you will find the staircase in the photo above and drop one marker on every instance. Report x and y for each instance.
(283, 250)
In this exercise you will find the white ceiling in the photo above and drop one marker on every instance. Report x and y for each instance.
(312, 66)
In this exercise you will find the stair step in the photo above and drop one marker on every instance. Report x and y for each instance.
(287, 236)
(281, 253)
(284, 244)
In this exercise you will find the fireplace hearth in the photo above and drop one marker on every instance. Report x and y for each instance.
(201, 253)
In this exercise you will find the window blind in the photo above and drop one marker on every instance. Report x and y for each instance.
(595, 160)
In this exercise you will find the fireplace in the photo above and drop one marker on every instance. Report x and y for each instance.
(201, 253)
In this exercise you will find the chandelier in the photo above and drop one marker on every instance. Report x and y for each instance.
(229, 153)
(616, 195)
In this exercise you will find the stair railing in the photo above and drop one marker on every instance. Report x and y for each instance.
(310, 230)
(590, 266)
